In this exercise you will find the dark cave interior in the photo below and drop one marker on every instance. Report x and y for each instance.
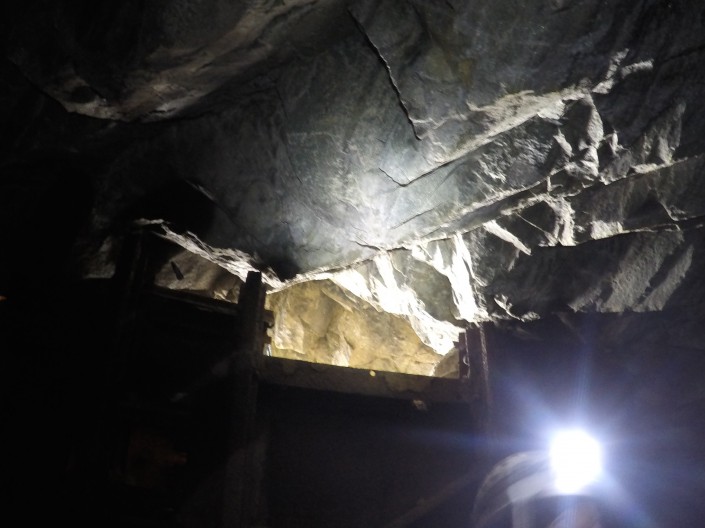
(310, 263)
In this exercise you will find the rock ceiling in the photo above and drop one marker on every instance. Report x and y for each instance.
(443, 162)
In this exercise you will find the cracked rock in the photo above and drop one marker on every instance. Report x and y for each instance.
(443, 163)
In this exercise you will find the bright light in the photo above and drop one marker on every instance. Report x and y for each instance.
(576, 460)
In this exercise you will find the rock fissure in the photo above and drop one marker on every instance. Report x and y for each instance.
(545, 158)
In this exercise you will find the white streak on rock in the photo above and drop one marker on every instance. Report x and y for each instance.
(498, 231)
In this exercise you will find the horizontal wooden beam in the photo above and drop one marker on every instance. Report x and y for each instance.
(317, 376)
(195, 300)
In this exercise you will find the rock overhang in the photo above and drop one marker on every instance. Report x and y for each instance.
(449, 164)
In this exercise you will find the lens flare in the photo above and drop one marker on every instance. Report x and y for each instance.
(576, 460)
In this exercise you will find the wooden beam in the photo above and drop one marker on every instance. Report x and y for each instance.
(475, 341)
(198, 301)
(238, 496)
(316, 376)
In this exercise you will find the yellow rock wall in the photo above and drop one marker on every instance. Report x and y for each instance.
(319, 322)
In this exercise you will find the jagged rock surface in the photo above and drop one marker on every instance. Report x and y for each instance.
(320, 322)
(444, 162)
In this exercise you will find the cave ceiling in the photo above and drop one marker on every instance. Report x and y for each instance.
(446, 162)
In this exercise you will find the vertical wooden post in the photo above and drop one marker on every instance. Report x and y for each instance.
(238, 499)
(478, 358)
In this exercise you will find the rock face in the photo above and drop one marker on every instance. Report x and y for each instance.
(320, 322)
(445, 162)
(151, 61)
